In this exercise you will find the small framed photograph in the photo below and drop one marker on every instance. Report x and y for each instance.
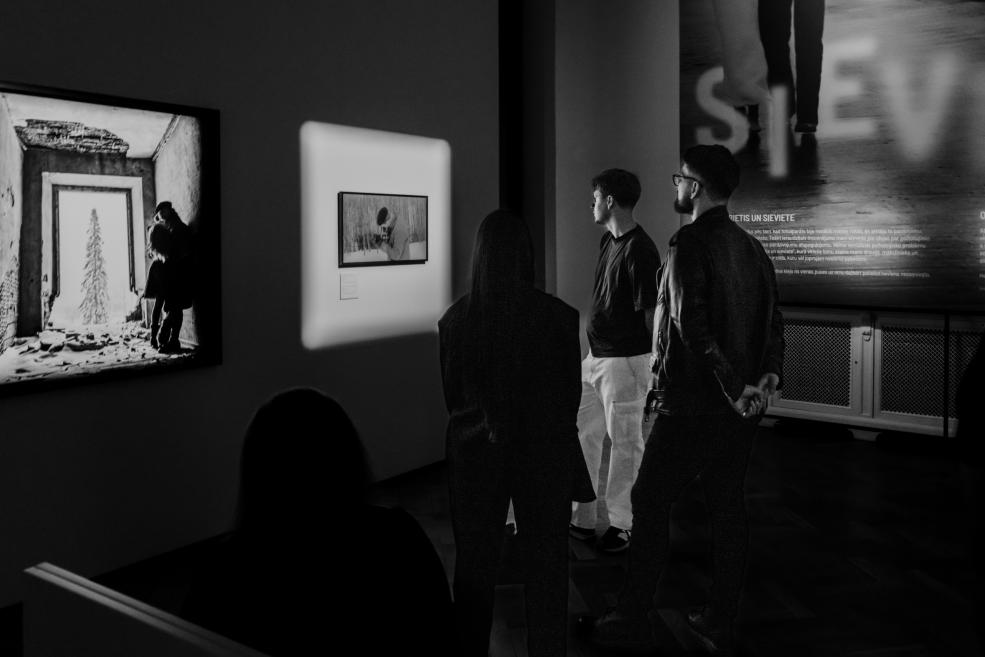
(382, 229)
(109, 237)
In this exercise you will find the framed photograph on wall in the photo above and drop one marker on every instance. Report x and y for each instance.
(382, 229)
(109, 237)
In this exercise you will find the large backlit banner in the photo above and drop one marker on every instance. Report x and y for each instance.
(865, 179)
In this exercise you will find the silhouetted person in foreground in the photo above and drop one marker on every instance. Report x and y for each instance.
(510, 364)
(970, 437)
(311, 566)
(718, 355)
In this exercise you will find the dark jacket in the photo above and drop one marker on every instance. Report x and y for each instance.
(284, 593)
(545, 393)
(717, 325)
(971, 414)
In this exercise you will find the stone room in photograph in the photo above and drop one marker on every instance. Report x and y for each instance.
(82, 180)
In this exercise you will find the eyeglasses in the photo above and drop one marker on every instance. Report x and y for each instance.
(678, 177)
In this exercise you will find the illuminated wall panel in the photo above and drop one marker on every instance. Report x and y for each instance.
(355, 304)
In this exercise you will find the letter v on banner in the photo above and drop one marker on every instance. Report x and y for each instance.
(919, 119)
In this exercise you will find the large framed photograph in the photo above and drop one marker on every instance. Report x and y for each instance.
(109, 237)
(382, 229)
(860, 141)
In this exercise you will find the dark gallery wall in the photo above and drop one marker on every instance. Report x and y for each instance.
(11, 161)
(616, 106)
(93, 477)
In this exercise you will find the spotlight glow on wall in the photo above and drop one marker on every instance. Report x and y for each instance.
(346, 305)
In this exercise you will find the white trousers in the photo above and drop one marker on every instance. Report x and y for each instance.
(613, 393)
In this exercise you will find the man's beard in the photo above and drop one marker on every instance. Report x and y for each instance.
(684, 207)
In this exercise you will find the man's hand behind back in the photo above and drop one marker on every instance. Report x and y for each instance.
(768, 384)
(750, 402)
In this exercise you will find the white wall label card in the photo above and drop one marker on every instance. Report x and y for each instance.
(348, 286)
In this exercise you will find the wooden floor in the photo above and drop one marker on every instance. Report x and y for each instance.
(857, 549)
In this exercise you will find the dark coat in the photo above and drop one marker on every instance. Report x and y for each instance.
(376, 584)
(546, 392)
(718, 324)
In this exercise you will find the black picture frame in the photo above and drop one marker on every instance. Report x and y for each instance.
(60, 151)
(358, 244)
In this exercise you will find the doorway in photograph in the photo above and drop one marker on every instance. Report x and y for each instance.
(86, 182)
(93, 258)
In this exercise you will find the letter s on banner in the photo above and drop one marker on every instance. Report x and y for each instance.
(704, 92)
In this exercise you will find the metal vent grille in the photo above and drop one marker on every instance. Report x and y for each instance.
(912, 370)
(817, 365)
(964, 344)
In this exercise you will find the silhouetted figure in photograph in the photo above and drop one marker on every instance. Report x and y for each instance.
(614, 374)
(718, 354)
(509, 364)
(180, 270)
(744, 71)
(181, 233)
(808, 28)
(312, 567)
(166, 287)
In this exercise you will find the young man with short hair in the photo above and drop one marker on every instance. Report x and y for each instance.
(615, 374)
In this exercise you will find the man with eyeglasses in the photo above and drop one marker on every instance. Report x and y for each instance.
(717, 359)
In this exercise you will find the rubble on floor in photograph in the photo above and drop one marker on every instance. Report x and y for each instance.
(69, 351)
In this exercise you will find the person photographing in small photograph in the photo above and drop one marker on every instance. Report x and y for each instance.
(393, 237)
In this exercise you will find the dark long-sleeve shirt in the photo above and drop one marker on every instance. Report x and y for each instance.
(718, 326)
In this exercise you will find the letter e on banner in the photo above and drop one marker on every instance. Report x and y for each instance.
(836, 89)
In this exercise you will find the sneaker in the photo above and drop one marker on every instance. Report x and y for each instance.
(581, 533)
(714, 632)
(614, 540)
(619, 631)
